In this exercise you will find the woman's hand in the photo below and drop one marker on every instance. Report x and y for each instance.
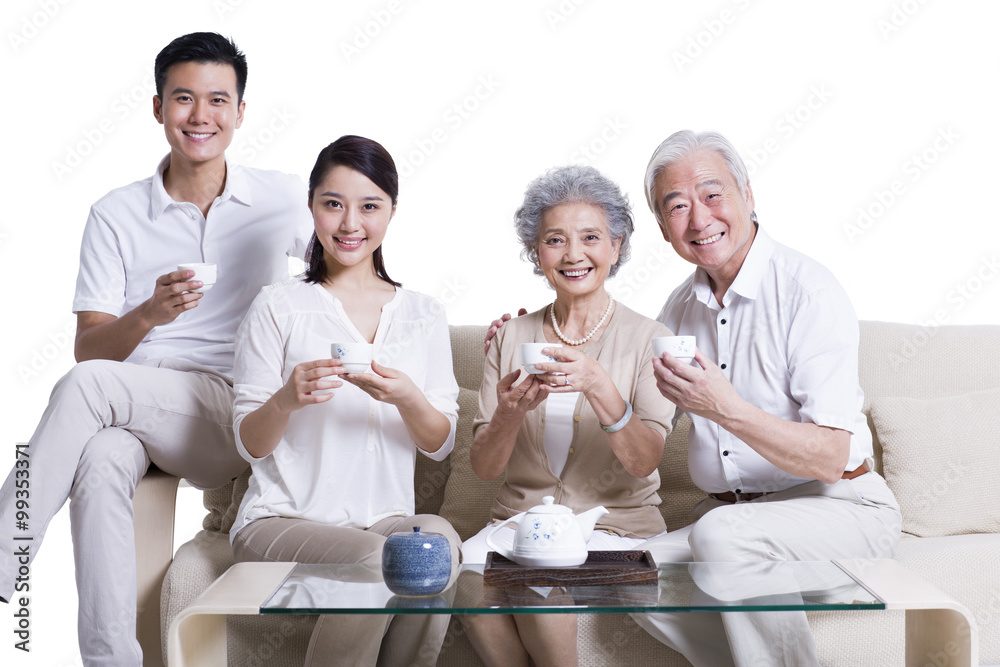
(428, 427)
(517, 401)
(307, 378)
(387, 385)
(574, 371)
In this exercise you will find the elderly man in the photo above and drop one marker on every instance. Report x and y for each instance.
(774, 401)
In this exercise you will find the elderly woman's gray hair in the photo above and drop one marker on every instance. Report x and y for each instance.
(571, 185)
(678, 146)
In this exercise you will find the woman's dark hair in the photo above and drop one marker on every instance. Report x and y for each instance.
(369, 158)
(201, 47)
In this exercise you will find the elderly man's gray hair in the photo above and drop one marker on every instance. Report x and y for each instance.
(678, 146)
(568, 185)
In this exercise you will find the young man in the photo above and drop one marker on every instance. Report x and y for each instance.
(154, 379)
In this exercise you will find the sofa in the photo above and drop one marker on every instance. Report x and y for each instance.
(932, 397)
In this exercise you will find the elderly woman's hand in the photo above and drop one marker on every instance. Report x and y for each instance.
(574, 371)
(516, 401)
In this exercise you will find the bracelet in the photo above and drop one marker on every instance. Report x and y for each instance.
(620, 424)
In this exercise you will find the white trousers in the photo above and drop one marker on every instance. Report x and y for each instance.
(857, 518)
(105, 422)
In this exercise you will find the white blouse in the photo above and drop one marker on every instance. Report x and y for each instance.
(558, 434)
(349, 461)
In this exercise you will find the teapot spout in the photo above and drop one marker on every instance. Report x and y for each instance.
(587, 520)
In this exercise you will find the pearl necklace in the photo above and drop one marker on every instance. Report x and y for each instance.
(604, 318)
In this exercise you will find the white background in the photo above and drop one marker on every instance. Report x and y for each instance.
(830, 104)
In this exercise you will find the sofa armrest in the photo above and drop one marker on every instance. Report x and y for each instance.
(154, 506)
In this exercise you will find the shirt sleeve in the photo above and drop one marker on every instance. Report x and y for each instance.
(441, 388)
(258, 367)
(304, 227)
(100, 284)
(648, 403)
(491, 376)
(823, 359)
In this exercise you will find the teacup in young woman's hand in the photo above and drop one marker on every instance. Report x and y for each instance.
(354, 357)
(206, 273)
(531, 354)
(682, 347)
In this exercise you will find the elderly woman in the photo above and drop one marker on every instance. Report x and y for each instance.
(590, 429)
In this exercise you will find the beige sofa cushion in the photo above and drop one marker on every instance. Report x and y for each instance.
(467, 499)
(939, 459)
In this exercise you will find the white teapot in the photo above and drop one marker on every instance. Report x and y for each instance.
(549, 535)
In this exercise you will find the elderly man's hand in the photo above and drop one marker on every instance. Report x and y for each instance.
(701, 391)
(495, 327)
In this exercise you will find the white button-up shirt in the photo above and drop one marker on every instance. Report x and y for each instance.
(786, 337)
(137, 233)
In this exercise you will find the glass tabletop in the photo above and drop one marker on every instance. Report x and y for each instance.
(679, 587)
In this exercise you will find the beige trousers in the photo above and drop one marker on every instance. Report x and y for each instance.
(345, 639)
(105, 422)
(856, 518)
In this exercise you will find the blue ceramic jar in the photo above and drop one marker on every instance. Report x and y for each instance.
(416, 563)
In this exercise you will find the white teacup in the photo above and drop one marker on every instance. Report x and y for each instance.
(681, 347)
(531, 354)
(355, 357)
(206, 273)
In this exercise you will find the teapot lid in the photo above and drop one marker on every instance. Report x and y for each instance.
(548, 506)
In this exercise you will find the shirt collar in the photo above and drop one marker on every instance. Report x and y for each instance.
(751, 274)
(237, 187)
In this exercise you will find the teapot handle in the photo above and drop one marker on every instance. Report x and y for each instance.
(506, 553)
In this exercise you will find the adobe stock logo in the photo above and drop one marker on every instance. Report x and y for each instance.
(914, 168)
(33, 23)
(701, 41)
(365, 34)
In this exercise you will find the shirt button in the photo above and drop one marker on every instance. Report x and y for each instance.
(723, 366)
(559, 485)
(725, 453)
(576, 418)
(723, 321)
(739, 490)
(572, 451)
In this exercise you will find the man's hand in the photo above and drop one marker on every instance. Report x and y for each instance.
(701, 391)
(495, 326)
(172, 296)
(306, 379)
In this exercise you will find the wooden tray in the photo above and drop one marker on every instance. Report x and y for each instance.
(601, 567)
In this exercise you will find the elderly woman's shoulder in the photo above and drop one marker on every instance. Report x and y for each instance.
(642, 326)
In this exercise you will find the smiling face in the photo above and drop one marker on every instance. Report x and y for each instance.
(704, 216)
(351, 215)
(575, 250)
(199, 111)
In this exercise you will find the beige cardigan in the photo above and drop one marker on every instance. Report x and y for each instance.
(592, 475)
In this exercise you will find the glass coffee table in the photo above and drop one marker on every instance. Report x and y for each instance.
(197, 636)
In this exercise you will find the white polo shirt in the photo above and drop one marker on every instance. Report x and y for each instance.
(786, 337)
(137, 233)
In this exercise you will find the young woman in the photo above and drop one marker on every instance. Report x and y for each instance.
(333, 452)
